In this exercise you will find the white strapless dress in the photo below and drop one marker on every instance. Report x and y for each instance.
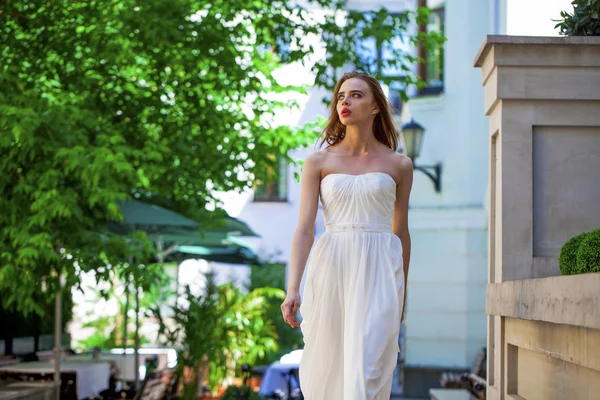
(353, 294)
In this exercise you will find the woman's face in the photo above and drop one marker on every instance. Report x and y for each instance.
(355, 103)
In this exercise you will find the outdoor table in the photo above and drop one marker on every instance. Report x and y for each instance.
(80, 379)
(18, 393)
(125, 363)
(28, 390)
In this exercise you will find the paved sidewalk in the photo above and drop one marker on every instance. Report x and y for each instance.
(406, 398)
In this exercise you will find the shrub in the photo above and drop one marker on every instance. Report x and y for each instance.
(585, 20)
(588, 255)
(567, 260)
(240, 393)
(223, 325)
(273, 275)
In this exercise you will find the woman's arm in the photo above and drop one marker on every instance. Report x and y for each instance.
(400, 222)
(304, 236)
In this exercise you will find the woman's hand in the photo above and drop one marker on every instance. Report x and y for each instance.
(289, 308)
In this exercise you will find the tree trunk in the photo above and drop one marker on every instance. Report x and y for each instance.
(57, 342)
(8, 331)
(126, 293)
(8, 346)
(36, 333)
(136, 350)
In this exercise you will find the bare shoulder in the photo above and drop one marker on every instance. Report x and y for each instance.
(404, 164)
(315, 159)
(314, 162)
(401, 164)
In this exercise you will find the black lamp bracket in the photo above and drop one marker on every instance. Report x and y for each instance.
(434, 172)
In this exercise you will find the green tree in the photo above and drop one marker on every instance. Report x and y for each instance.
(104, 100)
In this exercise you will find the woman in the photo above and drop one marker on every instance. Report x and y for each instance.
(354, 295)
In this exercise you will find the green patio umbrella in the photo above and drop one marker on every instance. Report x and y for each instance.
(150, 218)
(193, 237)
(138, 213)
(168, 228)
(231, 255)
(165, 226)
(156, 219)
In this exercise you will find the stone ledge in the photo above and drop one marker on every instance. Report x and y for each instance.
(492, 40)
(450, 394)
(572, 344)
(571, 300)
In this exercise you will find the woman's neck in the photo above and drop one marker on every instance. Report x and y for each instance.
(359, 140)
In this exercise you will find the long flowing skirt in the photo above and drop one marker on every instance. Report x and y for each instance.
(351, 310)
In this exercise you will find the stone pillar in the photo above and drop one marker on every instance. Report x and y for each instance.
(542, 96)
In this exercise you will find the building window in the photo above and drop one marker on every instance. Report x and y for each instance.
(374, 56)
(276, 187)
(431, 70)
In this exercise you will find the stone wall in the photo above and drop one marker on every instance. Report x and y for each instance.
(542, 96)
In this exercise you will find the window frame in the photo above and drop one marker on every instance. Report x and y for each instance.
(430, 90)
(272, 188)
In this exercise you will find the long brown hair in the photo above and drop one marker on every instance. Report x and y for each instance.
(383, 125)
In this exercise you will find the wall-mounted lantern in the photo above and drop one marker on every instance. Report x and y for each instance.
(412, 132)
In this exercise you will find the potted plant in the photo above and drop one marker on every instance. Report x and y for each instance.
(581, 254)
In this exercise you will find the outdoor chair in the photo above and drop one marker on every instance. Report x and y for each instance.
(156, 385)
(473, 380)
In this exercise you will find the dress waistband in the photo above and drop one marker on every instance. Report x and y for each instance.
(359, 227)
